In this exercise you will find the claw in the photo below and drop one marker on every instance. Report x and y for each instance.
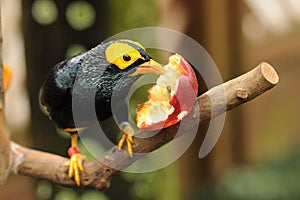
(121, 142)
(76, 167)
(127, 136)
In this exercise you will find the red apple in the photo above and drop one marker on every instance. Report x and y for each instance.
(171, 98)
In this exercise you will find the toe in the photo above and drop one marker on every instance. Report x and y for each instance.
(128, 132)
(129, 145)
(130, 139)
(76, 166)
(76, 175)
(70, 173)
(121, 142)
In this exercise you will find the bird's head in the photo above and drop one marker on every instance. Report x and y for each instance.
(131, 56)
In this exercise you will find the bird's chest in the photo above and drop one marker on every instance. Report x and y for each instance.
(105, 91)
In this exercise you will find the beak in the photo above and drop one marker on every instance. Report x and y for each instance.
(150, 67)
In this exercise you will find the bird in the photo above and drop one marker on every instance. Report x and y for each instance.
(109, 68)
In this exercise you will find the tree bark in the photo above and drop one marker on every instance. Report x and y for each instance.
(97, 175)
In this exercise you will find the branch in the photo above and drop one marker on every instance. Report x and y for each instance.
(4, 134)
(54, 168)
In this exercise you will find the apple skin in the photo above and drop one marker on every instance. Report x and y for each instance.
(183, 99)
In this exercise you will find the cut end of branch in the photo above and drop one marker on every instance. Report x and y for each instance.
(269, 73)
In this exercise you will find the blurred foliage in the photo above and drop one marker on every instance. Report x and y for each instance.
(158, 185)
(74, 49)
(275, 180)
(272, 127)
(129, 14)
(66, 194)
(93, 195)
(44, 11)
(80, 15)
(44, 190)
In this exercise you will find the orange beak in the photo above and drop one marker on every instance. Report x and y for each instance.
(150, 67)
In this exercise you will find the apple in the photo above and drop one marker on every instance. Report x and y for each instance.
(171, 98)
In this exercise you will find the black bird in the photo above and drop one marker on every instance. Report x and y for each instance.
(109, 68)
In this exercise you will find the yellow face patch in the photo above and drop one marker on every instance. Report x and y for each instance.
(122, 55)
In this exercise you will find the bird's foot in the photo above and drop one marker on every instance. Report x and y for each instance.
(75, 167)
(128, 132)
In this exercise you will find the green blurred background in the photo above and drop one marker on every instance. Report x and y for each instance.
(257, 155)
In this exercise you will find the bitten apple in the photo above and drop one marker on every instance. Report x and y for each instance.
(171, 98)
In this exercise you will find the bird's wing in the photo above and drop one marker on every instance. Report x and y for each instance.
(57, 88)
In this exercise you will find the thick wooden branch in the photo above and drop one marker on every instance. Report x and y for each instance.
(54, 168)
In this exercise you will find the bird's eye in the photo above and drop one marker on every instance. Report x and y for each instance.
(126, 57)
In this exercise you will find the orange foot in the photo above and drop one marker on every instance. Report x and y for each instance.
(128, 132)
(76, 167)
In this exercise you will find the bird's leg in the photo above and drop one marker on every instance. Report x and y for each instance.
(128, 132)
(76, 160)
